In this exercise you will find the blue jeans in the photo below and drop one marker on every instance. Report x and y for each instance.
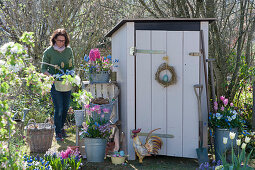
(61, 101)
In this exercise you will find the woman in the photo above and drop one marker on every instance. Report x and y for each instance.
(60, 54)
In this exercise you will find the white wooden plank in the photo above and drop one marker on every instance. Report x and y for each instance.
(143, 83)
(119, 51)
(158, 97)
(130, 65)
(204, 27)
(190, 78)
(174, 94)
(104, 91)
(111, 91)
(98, 90)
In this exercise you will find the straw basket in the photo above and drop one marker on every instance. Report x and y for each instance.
(63, 87)
(39, 136)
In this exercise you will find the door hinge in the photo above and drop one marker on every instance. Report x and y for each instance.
(155, 134)
(194, 53)
(133, 51)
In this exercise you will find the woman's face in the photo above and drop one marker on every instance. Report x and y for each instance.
(60, 41)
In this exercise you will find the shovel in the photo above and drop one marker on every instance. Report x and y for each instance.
(202, 153)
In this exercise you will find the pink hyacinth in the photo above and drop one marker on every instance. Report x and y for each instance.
(99, 111)
(215, 103)
(97, 107)
(215, 108)
(88, 112)
(222, 108)
(105, 110)
(231, 104)
(87, 106)
(225, 102)
(94, 54)
(222, 98)
(93, 109)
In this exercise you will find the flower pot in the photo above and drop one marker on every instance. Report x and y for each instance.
(102, 77)
(63, 87)
(118, 160)
(95, 149)
(79, 117)
(220, 147)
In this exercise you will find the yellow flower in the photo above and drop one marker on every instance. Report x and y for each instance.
(225, 140)
(232, 135)
(238, 142)
(247, 139)
(243, 146)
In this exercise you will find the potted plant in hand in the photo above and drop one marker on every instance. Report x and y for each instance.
(97, 67)
(226, 119)
(96, 131)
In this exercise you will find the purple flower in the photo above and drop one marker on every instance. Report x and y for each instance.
(222, 108)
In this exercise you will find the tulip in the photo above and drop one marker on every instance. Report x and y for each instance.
(231, 104)
(238, 142)
(222, 98)
(243, 146)
(225, 102)
(247, 139)
(232, 135)
(215, 103)
(225, 140)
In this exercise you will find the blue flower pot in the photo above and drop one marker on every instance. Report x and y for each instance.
(95, 149)
(102, 77)
(219, 146)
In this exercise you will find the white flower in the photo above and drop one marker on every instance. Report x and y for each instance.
(225, 140)
(77, 80)
(238, 142)
(234, 116)
(229, 118)
(218, 115)
(14, 49)
(252, 133)
(4, 48)
(247, 139)
(243, 146)
(232, 135)
(2, 62)
(234, 112)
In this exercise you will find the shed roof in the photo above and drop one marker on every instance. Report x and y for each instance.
(143, 20)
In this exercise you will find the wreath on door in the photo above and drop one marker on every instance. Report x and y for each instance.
(165, 83)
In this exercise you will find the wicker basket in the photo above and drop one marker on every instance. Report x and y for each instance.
(39, 136)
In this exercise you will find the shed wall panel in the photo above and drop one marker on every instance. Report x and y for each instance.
(190, 106)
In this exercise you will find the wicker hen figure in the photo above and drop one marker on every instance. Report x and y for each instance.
(151, 146)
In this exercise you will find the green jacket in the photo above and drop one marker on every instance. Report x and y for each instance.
(64, 60)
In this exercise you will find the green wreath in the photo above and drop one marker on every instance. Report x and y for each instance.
(163, 67)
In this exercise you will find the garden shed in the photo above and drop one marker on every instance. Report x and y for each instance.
(142, 46)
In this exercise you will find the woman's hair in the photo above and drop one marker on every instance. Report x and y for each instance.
(57, 33)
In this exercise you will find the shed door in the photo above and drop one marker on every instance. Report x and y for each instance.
(174, 108)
